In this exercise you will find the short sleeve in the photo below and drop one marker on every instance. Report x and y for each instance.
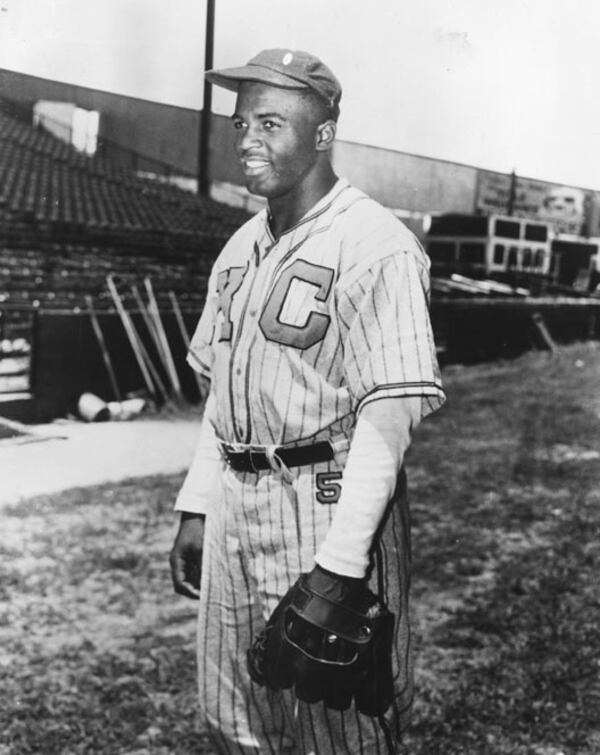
(389, 350)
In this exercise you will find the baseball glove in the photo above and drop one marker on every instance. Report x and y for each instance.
(330, 643)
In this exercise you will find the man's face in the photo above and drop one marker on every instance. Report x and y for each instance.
(275, 138)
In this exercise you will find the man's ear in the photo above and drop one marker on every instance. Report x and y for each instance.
(326, 135)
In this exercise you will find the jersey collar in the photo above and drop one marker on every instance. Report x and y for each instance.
(323, 204)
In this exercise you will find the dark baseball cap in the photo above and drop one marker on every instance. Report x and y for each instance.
(286, 69)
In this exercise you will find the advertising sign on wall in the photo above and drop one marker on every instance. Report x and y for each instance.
(562, 206)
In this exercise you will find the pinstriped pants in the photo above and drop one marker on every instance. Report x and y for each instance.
(259, 538)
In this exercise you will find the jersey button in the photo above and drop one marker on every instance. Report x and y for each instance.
(238, 371)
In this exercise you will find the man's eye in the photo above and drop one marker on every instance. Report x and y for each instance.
(237, 125)
(270, 125)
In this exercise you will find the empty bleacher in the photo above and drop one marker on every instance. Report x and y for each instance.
(68, 220)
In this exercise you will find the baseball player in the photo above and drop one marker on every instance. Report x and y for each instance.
(317, 351)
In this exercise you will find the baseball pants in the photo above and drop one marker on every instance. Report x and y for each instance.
(259, 537)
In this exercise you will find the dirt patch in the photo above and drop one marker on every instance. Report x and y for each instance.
(96, 649)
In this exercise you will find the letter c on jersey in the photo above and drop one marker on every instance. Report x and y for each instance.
(315, 327)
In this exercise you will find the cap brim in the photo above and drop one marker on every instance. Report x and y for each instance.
(231, 78)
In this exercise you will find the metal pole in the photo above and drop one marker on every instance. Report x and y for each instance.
(203, 179)
(512, 194)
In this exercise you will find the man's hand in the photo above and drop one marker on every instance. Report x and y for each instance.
(185, 558)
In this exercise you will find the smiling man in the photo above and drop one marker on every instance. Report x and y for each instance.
(316, 347)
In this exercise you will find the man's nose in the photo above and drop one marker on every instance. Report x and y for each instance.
(248, 139)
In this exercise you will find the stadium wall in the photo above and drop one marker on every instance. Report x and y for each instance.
(68, 360)
(408, 182)
(163, 132)
(413, 184)
(170, 134)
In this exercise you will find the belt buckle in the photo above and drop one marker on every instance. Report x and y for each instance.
(251, 454)
(225, 450)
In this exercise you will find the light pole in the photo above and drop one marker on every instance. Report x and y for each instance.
(512, 193)
(203, 138)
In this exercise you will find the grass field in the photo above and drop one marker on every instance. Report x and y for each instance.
(97, 655)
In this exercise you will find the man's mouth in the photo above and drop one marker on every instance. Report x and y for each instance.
(254, 165)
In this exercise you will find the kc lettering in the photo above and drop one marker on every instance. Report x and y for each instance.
(290, 316)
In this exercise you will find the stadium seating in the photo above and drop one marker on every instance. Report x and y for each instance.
(68, 220)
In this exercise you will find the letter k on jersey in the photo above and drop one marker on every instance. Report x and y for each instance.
(228, 283)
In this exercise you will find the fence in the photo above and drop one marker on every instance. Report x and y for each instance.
(66, 357)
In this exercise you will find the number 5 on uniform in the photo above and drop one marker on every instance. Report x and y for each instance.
(329, 489)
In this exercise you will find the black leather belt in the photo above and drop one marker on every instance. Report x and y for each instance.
(297, 456)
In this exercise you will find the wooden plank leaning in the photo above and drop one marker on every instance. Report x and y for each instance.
(103, 348)
(542, 329)
(151, 327)
(185, 336)
(155, 314)
(140, 353)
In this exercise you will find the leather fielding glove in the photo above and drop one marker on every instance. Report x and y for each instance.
(330, 638)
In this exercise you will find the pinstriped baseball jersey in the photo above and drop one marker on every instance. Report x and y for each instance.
(297, 335)
(305, 330)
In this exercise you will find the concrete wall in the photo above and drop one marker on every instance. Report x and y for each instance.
(164, 132)
(68, 361)
(468, 331)
(408, 182)
(170, 134)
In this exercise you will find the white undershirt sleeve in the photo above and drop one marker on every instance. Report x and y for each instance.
(198, 491)
(381, 438)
